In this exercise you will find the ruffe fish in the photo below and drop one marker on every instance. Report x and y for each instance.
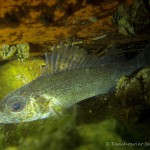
(69, 76)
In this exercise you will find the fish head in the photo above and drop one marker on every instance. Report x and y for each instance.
(17, 108)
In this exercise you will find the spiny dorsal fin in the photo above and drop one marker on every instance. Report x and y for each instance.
(67, 58)
(113, 55)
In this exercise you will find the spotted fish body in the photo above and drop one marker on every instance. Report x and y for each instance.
(70, 76)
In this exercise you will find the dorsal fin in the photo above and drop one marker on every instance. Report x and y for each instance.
(113, 55)
(68, 57)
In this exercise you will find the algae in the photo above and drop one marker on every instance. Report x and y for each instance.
(21, 50)
(63, 134)
(15, 74)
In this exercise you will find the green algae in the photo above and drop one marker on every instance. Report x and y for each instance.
(15, 74)
(63, 134)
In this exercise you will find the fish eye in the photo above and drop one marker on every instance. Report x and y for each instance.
(16, 104)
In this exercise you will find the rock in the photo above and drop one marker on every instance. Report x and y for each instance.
(22, 51)
(135, 90)
(131, 20)
(15, 74)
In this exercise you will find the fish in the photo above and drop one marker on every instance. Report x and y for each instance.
(69, 76)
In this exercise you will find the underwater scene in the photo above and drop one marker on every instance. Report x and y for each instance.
(74, 74)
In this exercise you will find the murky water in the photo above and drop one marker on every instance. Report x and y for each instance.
(116, 120)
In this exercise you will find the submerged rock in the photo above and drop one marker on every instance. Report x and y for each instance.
(15, 74)
(133, 94)
(134, 90)
(132, 19)
(21, 50)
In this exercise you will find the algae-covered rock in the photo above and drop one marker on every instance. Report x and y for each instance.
(133, 95)
(132, 19)
(134, 90)
(21, 50)
(15, 74)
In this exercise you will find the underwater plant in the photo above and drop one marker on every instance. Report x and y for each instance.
(8, 51)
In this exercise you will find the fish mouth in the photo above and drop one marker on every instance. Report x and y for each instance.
(8, 119)
(5, 119)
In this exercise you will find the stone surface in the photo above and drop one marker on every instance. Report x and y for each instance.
(134, 90)
(54, 21)
(15, 74)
